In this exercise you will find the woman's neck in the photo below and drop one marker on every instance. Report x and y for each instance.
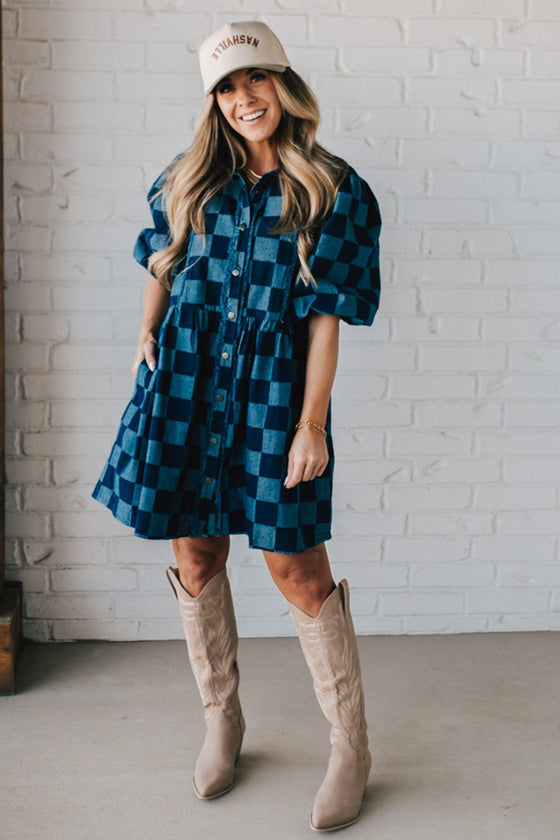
(261, 157)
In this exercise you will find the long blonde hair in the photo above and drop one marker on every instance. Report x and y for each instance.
(309, 175)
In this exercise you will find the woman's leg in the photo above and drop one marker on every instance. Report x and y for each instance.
(304, 579)
(321, 613)
(199, 559)
(201, 586)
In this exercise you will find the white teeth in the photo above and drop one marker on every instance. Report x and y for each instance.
(254, 116)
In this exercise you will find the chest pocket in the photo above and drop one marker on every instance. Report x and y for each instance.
(271, 269)
(200, 278)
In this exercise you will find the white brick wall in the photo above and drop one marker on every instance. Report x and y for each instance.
(446, 412)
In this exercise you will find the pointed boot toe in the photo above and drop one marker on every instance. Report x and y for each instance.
(339, 798)
(214, 770)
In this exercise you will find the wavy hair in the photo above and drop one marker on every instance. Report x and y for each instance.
(309, 175)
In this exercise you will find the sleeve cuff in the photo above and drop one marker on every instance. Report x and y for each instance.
(327, 299)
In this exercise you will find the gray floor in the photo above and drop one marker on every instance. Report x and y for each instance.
(465, 732)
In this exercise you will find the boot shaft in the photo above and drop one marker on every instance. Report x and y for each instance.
(212, 639)
(328, 642)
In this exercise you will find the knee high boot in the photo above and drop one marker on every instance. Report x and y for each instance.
(329, 646)
(211, 635)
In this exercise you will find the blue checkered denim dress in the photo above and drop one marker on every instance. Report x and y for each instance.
(202, 447)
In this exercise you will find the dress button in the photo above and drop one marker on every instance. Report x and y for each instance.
(225, 355)
(219, 398)
(243, 226)
(231, 315)
(236, 272)
(208, 480)
(213, 440)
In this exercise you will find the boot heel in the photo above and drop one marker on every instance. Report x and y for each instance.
(243, 727)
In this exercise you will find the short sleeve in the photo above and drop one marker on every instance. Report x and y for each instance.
(345, 259)
(154, 238)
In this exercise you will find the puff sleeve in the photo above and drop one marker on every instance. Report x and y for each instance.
(157, 237)
(345, 259)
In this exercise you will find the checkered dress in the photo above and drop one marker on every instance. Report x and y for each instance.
(202, 447)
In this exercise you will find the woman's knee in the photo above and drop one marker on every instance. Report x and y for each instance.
(303, 578)
(304, 566)
(200, 558)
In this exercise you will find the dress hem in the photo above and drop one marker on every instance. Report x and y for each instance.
(326, 537)
(323, 534)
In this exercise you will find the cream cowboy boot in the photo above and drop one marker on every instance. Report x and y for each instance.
(329, 645)
(211, 635)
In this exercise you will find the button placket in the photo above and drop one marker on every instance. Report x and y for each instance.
(216, 419)
(235, 286)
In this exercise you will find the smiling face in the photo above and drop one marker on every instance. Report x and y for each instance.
(249, 102)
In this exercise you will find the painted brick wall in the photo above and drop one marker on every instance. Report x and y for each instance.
(446, 411)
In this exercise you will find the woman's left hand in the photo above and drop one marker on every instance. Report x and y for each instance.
(308, 456)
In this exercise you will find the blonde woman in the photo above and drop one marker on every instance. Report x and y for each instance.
(261, 242)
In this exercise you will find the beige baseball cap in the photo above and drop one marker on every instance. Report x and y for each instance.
(236, 45)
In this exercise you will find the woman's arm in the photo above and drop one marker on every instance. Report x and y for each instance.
(308, 455)
(156, 304)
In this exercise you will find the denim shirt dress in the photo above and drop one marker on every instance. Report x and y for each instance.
(202, 446)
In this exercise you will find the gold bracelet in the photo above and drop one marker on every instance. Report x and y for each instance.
(314, 425)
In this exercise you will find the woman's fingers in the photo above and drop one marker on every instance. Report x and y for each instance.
(290, 476)
(305, 462)
(295, 470)
(312, 470)
(136, 362)
(146, 351)
(150, 348)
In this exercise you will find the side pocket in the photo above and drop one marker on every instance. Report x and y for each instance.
(143, 394)
(143, 374)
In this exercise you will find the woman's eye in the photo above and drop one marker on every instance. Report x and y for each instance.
(225, 87)
(258, 77)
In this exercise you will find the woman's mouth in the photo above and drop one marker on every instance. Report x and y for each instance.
(253, 116)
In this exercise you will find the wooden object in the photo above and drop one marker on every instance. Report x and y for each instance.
(10, 635)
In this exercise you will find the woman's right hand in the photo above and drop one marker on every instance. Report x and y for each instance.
(146, 350)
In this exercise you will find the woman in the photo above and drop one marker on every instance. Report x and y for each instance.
(261, 242)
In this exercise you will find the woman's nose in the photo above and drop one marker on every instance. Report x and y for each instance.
(245, 94)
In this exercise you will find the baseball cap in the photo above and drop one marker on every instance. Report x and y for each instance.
(236, 45)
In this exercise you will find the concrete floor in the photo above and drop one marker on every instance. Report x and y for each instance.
(101, 739)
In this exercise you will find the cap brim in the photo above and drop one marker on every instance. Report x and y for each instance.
(278, 68)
